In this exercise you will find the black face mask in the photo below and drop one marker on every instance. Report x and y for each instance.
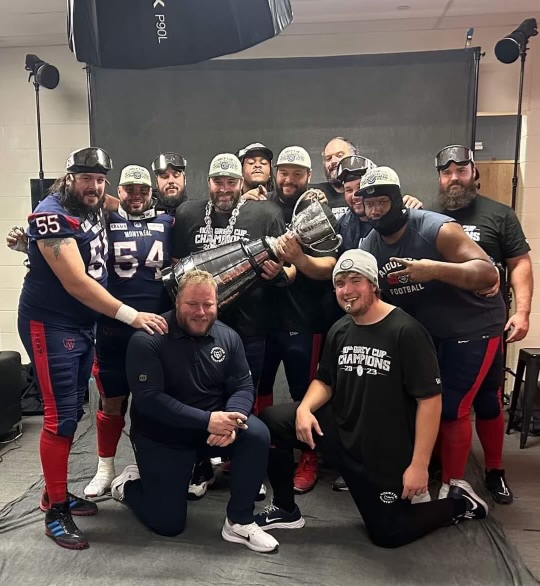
(391, 222)
(396, 217)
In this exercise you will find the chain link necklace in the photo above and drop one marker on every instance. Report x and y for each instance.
(212, 243)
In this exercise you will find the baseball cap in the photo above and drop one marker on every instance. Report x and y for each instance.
(135, 175)
(357, 261)
(225, 165)
(294, 155)
(89, 160)
(380, 181)
(255, 147)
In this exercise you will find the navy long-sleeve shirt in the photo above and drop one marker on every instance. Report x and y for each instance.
(177, 380)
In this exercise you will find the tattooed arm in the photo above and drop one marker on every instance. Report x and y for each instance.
(64, 258)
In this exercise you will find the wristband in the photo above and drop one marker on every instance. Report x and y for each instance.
(126, 314)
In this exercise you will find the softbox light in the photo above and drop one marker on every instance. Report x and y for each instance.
(143, 34)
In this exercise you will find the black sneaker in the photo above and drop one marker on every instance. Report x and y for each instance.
(78, 507)
(201, 478)
(339, 484)
(476, 508)
(59, 525)
(272, 517)
(499, 490)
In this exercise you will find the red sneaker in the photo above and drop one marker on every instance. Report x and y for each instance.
(306, 476)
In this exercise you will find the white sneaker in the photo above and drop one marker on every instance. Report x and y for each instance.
(251, 536)
(443, 492)
(130, 472)
(101, 482)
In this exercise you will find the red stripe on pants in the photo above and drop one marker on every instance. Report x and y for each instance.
(41, 364)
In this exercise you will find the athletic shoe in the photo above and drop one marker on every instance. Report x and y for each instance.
(101, 482)
(251, 536)
(339, 484)
(78, 507)
(262, 493)
(201, 478)
(443, 491)
(59, 525)
(272, 517)
(476, 508)
(499, 490)
(305, 476)
(118, 485)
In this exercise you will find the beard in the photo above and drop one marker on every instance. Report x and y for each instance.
(74, 204)
(293, 196)
(226, 206)
(185, 325)
(331, 176)
(457, 195)
(171, 201)
(253, 183)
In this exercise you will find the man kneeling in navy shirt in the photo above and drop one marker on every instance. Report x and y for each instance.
(192, 395)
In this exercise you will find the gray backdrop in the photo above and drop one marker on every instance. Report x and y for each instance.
(399, 108)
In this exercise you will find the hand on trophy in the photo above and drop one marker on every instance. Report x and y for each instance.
(271, 269)
(289, 249)
(316, 194)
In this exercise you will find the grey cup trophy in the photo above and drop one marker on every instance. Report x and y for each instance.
(237, 266)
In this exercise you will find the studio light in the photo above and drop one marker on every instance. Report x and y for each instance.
(45, 75)
(509, 49)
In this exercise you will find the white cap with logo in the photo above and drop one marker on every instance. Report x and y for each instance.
(225, 165)
(294, 155)
(135, 175)
(357, 261)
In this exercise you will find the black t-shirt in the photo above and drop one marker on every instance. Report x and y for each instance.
(494, 226)
(377, 372)
(305, 306)
(255, 220)
(336, 199)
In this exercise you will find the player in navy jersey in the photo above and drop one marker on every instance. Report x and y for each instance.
(63, 293)
(139, 247)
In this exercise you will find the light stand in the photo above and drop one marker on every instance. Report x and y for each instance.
(508, 50)
(41, 74)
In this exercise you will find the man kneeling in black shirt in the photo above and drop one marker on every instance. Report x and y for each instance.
(375, 407)
(192, 396)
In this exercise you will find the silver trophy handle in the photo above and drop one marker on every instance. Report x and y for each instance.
(337, 237)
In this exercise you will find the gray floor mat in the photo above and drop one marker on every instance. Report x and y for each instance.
(333, 548)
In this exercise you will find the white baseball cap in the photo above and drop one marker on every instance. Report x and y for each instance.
(135, 175)
(225, 165)
(294, 155)
(357, 261)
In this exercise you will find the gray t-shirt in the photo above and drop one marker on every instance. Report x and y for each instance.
(447, 312)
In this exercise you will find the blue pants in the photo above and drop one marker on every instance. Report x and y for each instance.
(109, 368)
(159, 498)
(62, 360)
(472, 374)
